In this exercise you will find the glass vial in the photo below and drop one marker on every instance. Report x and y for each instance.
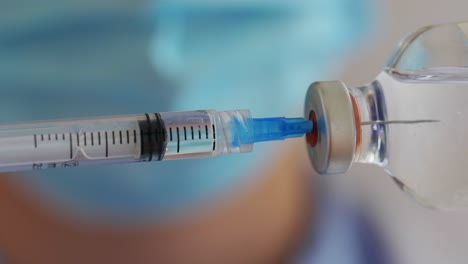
(411, 120)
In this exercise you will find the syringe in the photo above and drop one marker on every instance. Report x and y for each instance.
(138, 138)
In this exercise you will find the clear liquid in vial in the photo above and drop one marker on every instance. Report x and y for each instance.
(415, 150)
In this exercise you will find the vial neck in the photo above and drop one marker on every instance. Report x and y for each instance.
(369, 105)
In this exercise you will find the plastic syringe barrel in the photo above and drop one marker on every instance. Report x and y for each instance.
(137, 138)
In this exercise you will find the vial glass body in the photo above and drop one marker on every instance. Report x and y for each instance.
(414, 116)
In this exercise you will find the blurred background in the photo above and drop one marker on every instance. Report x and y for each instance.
(62, 59)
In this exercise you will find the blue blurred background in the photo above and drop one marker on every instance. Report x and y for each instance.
(95, 58)
(65, 59)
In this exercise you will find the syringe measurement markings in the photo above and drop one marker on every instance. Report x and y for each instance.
(142, 145)
(71, 146)
(82, 138)
(214, 137)
(107, 145)
(178, 140)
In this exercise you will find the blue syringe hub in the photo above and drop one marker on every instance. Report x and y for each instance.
(279, 128)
